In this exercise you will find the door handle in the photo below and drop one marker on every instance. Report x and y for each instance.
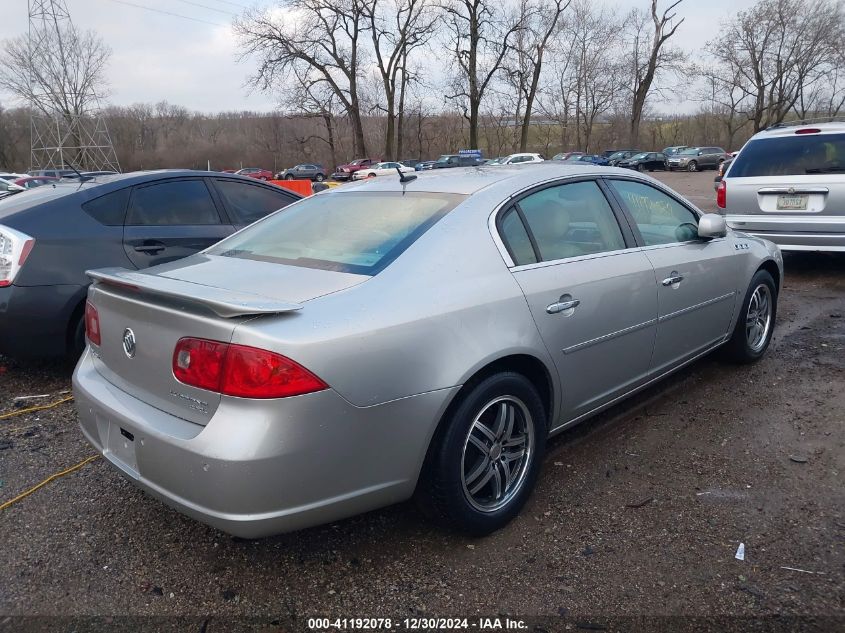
(673, 279)
(563, 306)
(151, 248)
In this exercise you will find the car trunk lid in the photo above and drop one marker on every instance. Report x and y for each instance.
(158, 307)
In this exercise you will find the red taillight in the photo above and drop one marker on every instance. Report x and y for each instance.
(241, 371)
(722, 194)
(199, 362)
(92, 323)
(808, 130)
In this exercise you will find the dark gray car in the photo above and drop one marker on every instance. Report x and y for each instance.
(305, 171)
(51, 235)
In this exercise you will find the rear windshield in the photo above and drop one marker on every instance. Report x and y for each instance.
(791, 156)
(353, 232)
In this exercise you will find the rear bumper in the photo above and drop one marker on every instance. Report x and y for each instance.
(262, 467)
(34, 319)
(794, 233)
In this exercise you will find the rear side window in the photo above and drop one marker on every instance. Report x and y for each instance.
(354, 232)
(571, 220)
(516, 238)
(248, 203)
(109, 209)
(791, 156)
(181, 202)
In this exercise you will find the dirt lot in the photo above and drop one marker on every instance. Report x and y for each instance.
(636, 513)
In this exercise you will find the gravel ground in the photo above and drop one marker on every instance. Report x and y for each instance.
(638, 512)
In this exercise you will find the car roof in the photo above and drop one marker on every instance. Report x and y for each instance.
(101, 185)
(471, 180)
(789, 128)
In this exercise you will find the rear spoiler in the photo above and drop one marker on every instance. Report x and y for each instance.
(223, 302)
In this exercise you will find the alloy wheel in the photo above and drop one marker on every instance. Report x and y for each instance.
(497, 453)
(758, 320)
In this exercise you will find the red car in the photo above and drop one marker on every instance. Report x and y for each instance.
(30, 182)
(344, 172)
(255, 172)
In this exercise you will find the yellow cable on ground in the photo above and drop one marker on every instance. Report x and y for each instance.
(47, 481)
(38, 408)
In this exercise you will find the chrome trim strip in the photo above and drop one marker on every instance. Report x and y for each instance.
(607, 337)
(778, 217)
(648, 383)
(689, 309)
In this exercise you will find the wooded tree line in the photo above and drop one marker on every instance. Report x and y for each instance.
(416, 78)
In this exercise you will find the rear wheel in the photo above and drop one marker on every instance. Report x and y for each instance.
(371, 175)
(693, 166)
(76, 344)
(483, 464)
(640, 167)
(756, 322)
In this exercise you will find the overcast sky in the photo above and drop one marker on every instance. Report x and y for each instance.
(194, 62)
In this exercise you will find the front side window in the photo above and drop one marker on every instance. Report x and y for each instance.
(181, 202)
(354, 232)
(660, 218)
(569, 221)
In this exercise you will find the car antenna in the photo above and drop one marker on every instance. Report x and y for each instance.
(82, 178)
(406, 178)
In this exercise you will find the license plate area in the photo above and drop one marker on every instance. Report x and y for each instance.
(793, 202)
(121, 445)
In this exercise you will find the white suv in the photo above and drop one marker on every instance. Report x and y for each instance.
(788, 185)
(519, 159)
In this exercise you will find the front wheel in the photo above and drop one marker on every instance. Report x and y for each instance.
(483, 464)
(756, 322)
(693, 166)
(640, 167)
(320, 178)
(289, 177)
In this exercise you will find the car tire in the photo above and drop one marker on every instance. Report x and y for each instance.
(371, 175)
(76, 342)
(756, 323)
(693, 166)
(288, 176)
(319, 178)
(640, 167)
(469, 483)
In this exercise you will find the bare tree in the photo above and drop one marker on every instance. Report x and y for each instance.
(62, 73)
(778, 52)
(320, 40)
(648, 56)
(523, 69)
(479, 35)
(396, 28)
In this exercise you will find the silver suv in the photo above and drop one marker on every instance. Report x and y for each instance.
(787, 185)
(697, 158)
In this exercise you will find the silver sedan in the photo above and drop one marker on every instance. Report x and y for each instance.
(420, 336)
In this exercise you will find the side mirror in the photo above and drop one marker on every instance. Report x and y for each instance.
(712, 225)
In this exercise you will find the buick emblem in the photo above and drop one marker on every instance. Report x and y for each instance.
(791, 191)
(129, 342)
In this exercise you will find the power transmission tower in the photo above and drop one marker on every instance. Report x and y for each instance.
(62, 136)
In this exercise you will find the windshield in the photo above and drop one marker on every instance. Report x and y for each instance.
(639, 156)
(618, 155)
(444, 159)
(791, 156)
(353, 232)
